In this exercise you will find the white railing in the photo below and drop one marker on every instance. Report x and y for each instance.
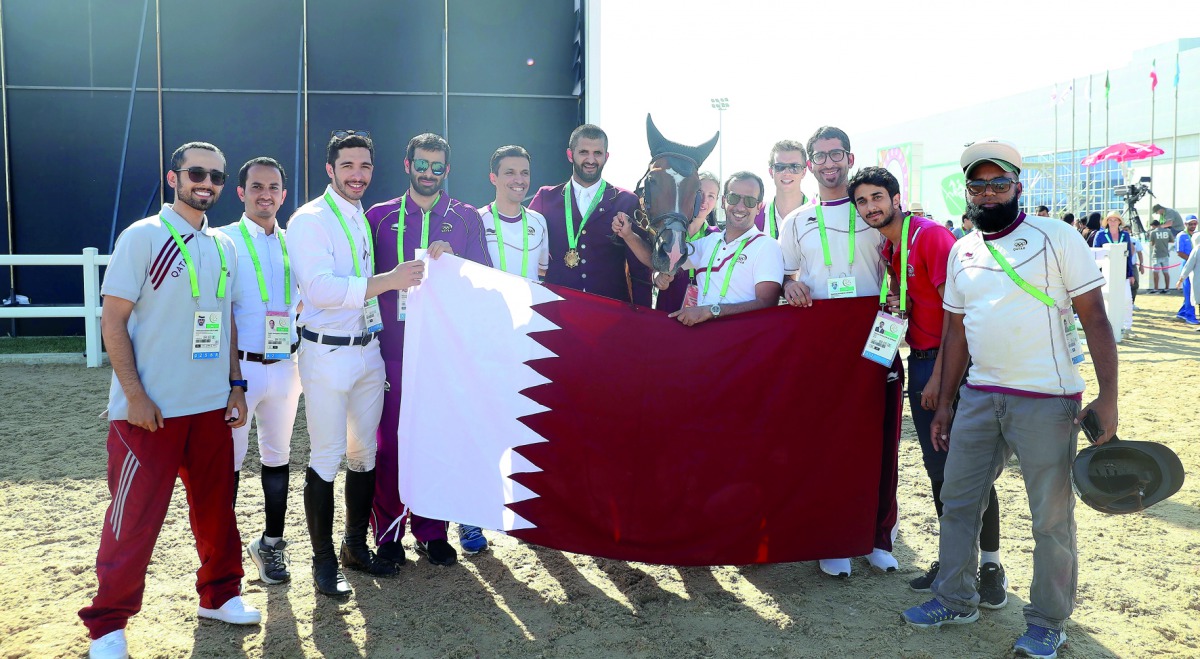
(90, 260)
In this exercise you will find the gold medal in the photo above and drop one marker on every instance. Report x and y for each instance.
(571, 259)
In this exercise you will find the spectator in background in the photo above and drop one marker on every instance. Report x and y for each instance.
(1043, 211)
(1185, 249)
(1115, 233)
(1092, 227)
(1169, 217)
(1161, 239)
(1069, 218)
(958, 233)
(967, 225)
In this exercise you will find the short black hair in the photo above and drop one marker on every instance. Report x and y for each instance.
(429, 142)
(266, 161)
(1042, 208)
(589, 132)
(177, 156)
(787, 145)
(356, 141)
(873, 176)
(826, 133)
(1093, 221)
(510, 151)
(745, 175)
(1069, 218)
(1155, 223)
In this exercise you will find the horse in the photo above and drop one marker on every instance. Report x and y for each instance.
(669, 197)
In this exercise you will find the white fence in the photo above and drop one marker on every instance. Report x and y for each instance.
(91, 261)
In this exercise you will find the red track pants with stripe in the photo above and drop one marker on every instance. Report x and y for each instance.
(142, 466)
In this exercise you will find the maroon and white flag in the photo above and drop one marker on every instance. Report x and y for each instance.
(589, 425)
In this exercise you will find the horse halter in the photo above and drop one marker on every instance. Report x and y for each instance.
(668, 230)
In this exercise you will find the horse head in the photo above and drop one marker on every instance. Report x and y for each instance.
(670, 197)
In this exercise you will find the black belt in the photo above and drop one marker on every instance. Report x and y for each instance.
(360, 340)
(923, 354)
(258, 357)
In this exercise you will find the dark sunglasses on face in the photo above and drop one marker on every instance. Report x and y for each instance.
(340, 134)
(998, 185)
(733, 198)
(836, 155)
(421, 164)
(793, 167)
(198, 174)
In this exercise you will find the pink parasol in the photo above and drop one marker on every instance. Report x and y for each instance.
(1122, 152)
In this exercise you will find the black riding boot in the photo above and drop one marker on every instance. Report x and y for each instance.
(318, 510)
(360, 492)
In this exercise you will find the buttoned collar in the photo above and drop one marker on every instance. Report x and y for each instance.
(439, 208)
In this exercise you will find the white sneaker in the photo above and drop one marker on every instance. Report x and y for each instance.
(882, 560)
(836, 567)
(110, 646)
(235, 612)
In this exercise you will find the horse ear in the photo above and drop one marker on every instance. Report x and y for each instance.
(654, 138)
(704, 150)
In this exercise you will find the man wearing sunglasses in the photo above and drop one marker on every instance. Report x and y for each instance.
(579, 215)
(829, 252)
(424, 217)
(176, 392)
(1010, 288)
(341, 368)
(787, 165)
(737, 270)
(264, 313)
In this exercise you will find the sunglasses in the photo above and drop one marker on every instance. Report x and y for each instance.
(198, 174)
(793, 167)
(998, 185)
(836, 155)
(733, 198)
(420, 165)
(342, 134)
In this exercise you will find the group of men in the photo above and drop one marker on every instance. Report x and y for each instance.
(321, 308)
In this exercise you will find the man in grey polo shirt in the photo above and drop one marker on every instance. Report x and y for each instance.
(176, 391)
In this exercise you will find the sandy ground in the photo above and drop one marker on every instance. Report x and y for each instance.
(1139, 591)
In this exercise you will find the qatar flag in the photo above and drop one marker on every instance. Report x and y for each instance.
(589, 425)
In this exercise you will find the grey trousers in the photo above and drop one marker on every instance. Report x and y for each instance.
(987, 430)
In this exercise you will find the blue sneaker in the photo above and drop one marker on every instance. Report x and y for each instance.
(1038, 641)
(934, 614)
(471, 539)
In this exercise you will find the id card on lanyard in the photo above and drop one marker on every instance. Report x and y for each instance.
(1066, 317)
(844, 285)
(402, 295)
(206, 325)
(372, 317)
(277, 325)
(888, 330)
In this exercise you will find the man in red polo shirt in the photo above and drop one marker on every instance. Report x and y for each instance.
(926, 247)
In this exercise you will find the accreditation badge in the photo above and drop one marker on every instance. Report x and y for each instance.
(884, 340)
(692, 297)
(372, 316)
(206, 335)
(1071, 330)
(402, 305)
(277, 336)
(841, 287)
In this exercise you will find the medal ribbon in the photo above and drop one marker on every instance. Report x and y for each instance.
(1016, 279)
(424, 226)
(825, 240)
(191, 265)
(524, 241)
(350, 239)
(262, 282)
(728, 273)
(903, 274)
(572, 234)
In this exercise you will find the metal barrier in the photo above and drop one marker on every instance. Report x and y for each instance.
(91, 261)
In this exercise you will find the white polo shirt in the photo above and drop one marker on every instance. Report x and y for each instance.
(249, 311)
(514, 242)
(1017, 343)
(323, 264)
(800, 239)
(759, 261)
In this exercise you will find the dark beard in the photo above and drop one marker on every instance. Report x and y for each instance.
(991, 220)
(421, 188)
(586, 178)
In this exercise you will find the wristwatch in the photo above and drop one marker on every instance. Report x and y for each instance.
(239, 383)
(715, 310)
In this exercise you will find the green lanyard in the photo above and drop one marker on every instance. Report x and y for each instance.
(572, 234)
(262, 282)
(903, 274)
(424, 226)
(691, 239)
(771, 225)
(825, 240)
(524, 241)
(350, 239)
(1012, 274)
(191, 265)
(728, 273)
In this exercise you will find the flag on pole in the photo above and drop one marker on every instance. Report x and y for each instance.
(1176, 70)
(1153, 74)
(589, 425)
(1057, 98)
(1107, 86)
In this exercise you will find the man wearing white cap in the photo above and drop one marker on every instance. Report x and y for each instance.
(1009, 292)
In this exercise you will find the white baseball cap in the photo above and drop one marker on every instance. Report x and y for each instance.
(1002, 153)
